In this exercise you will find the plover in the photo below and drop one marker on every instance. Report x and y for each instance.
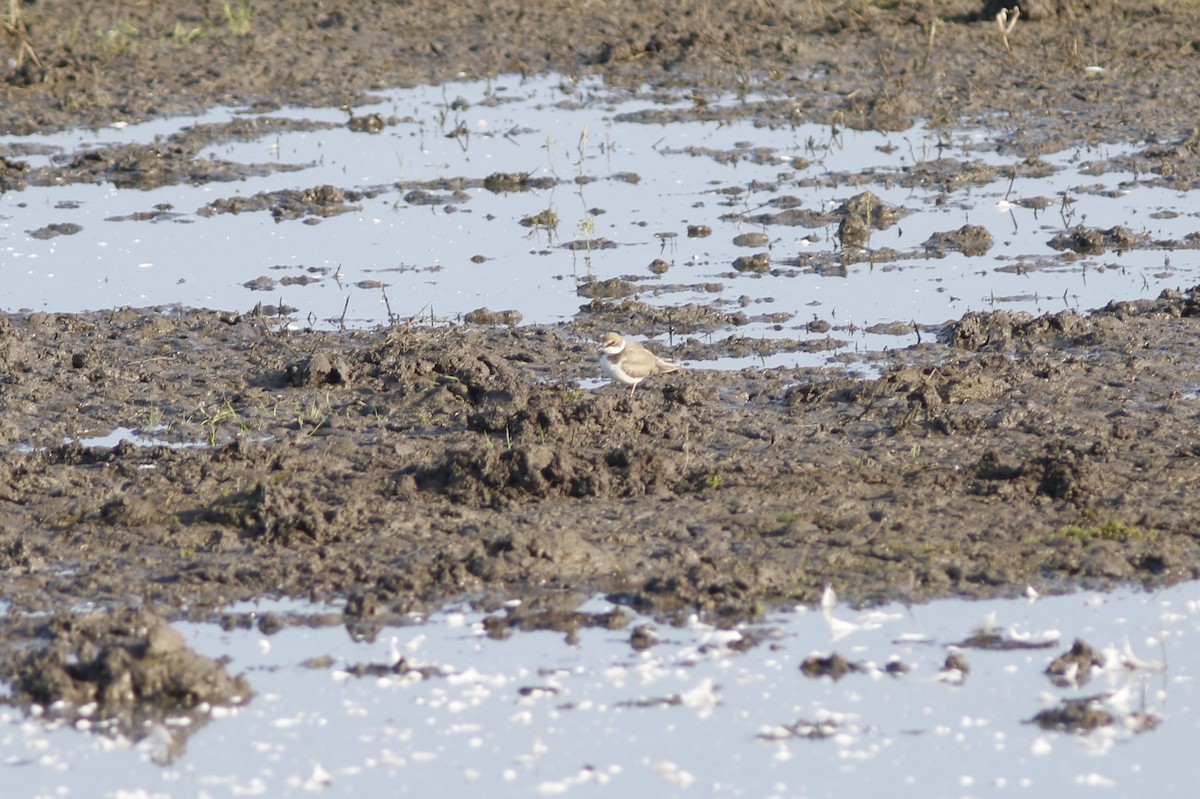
(629, 362)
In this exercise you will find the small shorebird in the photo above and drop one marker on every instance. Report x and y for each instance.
(629, 362)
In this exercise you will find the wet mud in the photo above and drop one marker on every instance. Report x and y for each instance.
(124, 673)
(404, 466)
(417, 463)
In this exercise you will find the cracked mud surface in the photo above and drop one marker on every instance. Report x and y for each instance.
(406, 466)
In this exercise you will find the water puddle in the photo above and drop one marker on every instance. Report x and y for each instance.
(539, 196)
(139, 437)
(945, 699)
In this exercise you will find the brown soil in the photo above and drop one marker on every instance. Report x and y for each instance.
(413, 464)
(408, 465)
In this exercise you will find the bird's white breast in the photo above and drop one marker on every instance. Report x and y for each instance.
(613, 371)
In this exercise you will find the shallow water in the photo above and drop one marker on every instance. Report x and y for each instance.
(722, 712)
(535, 714)
(394, 259)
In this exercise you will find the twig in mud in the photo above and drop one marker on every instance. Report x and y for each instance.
(933, 27)
(154, 358)
(550, 155)
(342, 321)
(15, 26)
(1066, 210)
(413, 318)
(1006, 24)
(687, 449)
(387, 304)
(581, 146)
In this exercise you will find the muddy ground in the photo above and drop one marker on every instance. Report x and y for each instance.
(405, 466)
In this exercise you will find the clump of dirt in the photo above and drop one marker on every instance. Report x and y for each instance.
(122, 669)
(486, 316)
(508, 182)
(804, 730)
(955, 668)
(759, 262)
(318, 201)
(611, 288)
(970, 240)
(570, 622)
(13, 175)
(1093, 241)
(1004, 330)
(834, 666)
(1074, 667)
(860, 215)
(55, 229)
(1087, 713)
(950, 174)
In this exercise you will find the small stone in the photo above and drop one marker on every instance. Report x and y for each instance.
(751, 240)
(759, 263)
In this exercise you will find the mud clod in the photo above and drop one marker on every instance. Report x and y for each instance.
(759, 263)
(611, 288)
(1093, 241)
(323, 368)
(751, 240)
(122, 666)
(1075, 666)
(862, 214)
(508, 182)
(970, 240)
(1075, 715)
(486, 316)
(834, 666)
(1003, 330)
(370, 123)
(57, 229)
(956, 665)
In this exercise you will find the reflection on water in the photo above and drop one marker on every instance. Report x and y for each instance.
(946, 699)
(470, 194)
